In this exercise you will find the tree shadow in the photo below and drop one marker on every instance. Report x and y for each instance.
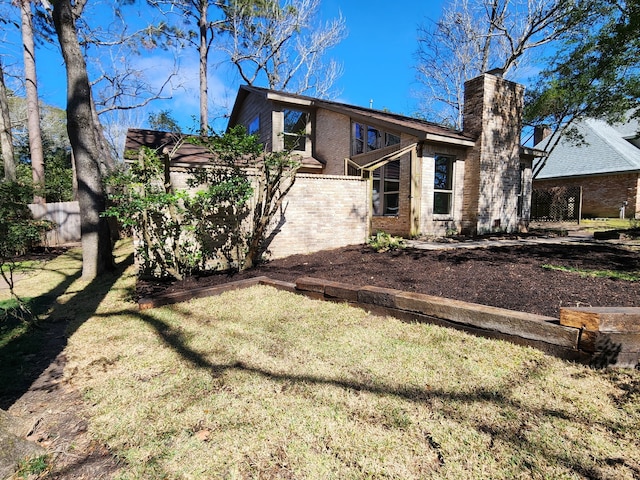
(519, 432)
(24, 358)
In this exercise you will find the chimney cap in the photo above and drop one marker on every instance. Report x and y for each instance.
(498, 72)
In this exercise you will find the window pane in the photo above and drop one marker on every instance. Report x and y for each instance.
(294, 142)
(358, 139)
(254, 126)
(391, 203)
(376, 198)
(373, 138)
(391, 185)
(443, 173)
(441, 203)
(392, 139)
(295, 129)
(392, 170)
(295, 121)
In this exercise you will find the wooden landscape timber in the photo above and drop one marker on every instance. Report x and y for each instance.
(599, 336)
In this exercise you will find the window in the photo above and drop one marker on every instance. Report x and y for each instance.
(295, 130)
(443, 185)
(254, 126)
(366, 138)
(391, 139)
(386, 189)
(373, 138)
(520, 190)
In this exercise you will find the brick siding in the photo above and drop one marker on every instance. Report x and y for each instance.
(602, 195)
(322, 212)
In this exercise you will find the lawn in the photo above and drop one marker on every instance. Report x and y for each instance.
(261, 383)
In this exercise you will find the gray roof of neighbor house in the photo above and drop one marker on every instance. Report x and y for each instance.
(607, 149)
(421, 129)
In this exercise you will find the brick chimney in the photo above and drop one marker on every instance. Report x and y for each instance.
(493, 115)
(540, 132)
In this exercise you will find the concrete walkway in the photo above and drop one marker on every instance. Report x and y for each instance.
(571, 238)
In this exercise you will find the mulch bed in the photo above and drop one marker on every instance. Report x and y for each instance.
(509, 277)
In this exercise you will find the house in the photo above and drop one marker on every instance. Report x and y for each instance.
(365, 170)
(605, 163)
(425, 178)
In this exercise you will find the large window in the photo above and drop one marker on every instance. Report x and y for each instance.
(386, 189)
(366, 138)
(443, 185)
(295, 130)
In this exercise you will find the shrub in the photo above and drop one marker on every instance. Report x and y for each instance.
(383, 242)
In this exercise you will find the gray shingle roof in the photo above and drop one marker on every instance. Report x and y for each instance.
(607, 150)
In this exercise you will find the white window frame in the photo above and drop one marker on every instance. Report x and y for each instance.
(449, 191)
(382, 193)
(304, 135)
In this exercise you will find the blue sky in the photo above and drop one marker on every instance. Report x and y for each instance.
(377, 58)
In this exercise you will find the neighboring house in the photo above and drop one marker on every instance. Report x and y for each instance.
(605, 163)
(366, 170)
(426, 179)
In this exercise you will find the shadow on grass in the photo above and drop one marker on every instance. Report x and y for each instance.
(519, 432)
(26, 356)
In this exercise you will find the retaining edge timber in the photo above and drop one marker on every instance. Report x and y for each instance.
(570, 342)
(177, 297)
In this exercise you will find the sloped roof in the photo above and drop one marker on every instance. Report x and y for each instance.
(186, 154)
(421, 129)
(157, 140)
(606, 149)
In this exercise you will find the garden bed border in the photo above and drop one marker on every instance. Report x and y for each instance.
(599, 336)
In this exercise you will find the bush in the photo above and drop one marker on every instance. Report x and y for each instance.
(383, 242)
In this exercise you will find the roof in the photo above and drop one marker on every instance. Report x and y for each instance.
(186, 154)
(422, 129)
(158, 140)
(607, 149)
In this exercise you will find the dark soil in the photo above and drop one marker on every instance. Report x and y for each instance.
(510, 277)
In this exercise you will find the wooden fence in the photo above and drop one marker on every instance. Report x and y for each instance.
(66, 216)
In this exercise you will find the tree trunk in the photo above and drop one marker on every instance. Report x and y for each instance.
(6, 139)
(96, 241)
(204, 53)
(33, 108)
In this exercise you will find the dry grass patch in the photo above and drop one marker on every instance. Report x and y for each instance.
(260, 383)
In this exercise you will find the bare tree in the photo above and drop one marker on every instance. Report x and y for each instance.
(33, 107)
(201, 37)
(283, 44)
(6, 139)
(474, 36)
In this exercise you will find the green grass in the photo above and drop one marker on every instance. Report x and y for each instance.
(617, 275)
(33, 467)
(260, 383)
(24, 266)
(609, 224)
